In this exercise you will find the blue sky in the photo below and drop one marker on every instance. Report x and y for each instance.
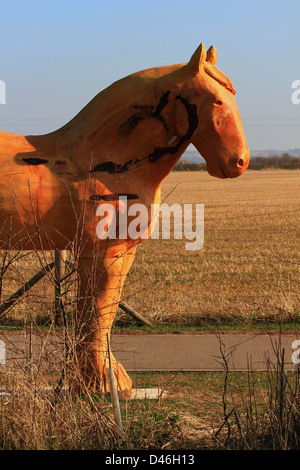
(57, 55)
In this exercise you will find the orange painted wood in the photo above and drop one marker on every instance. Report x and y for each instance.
(125, 141)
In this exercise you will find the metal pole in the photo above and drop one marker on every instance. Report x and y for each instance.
(20, 292)
(114, 392)
(30, 350)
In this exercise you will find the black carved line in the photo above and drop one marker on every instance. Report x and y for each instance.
(162, 104)
(111, 167)
(131, 123)
(112, 197)
(129, 196)
(114, 168)
(144, 112)
(34, 161)
(192, 116)
(193, 124)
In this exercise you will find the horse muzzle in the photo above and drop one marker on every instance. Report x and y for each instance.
(234, 167)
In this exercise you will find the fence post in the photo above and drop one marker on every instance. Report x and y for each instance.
(282, 390)
(113, 391)
(59, 264)
(29, 364)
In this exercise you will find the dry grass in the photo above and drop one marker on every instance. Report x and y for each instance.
(243, 414)
(33, 417)
(192, 416)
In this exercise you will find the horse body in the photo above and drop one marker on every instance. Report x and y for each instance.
(124, 142)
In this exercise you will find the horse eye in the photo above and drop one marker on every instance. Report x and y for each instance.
(218, 102)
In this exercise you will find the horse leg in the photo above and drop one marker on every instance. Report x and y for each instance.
(100, 289)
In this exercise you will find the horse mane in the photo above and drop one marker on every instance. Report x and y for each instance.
(219, 76)
(209, 68)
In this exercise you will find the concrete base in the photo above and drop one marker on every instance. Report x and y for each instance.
(137, 393)
(147, 394)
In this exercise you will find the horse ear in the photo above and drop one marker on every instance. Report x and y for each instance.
(212, 55)
(197, 59)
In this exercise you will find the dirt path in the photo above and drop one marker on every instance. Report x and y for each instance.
(157, 352)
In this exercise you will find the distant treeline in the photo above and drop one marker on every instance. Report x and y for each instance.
(284, 161)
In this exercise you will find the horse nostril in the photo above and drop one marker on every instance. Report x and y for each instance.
(240, 162)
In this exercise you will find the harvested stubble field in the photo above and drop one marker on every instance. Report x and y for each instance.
(246, 273)
(248, 268)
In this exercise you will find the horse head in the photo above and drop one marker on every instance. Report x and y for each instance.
(206, 96)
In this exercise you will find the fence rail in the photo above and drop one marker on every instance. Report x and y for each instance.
(60, 263)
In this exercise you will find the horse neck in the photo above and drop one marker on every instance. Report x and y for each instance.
(82, 135)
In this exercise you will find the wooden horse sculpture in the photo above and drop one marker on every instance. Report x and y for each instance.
(123, 143)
